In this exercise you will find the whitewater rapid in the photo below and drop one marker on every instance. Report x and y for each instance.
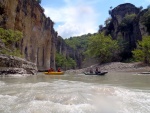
(66, 96)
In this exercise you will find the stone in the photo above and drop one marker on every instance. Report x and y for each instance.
(118, 14)
(15, 65)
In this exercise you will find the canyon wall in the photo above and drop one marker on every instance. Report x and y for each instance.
(125, 23)
(27, 16)
(67, 51)
(132, 31)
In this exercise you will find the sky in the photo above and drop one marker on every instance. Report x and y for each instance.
(78, 17)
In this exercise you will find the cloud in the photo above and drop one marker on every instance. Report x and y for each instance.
(76, 17)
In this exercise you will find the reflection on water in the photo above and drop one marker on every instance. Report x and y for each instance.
(113, 93)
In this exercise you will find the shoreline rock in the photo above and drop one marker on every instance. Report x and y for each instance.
(115, 67)
(15, 65)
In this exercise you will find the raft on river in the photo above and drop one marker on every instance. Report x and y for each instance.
(145, 72)
(99, 74)
(54, 73)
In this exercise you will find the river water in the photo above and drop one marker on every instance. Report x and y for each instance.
(112, 93)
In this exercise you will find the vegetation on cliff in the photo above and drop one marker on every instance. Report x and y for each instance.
(70, 52)
(10, 38)
(79, 45)
(126, 23)
(65, 55)
(64, 63)
(145, 19)
(78, 42)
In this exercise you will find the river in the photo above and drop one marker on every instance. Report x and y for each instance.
(78, 93)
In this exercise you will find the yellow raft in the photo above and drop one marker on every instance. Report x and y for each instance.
(54, 73)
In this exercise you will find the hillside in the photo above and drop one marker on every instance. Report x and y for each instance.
(127, 25)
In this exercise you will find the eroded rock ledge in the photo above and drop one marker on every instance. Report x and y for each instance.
(16, 65)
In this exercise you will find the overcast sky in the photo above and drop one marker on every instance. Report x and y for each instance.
(78, 17)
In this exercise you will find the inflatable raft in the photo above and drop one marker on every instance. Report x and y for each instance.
(99, 74)
(54, 73)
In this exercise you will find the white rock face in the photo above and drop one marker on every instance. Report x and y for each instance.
(27, 16)
(15, 65)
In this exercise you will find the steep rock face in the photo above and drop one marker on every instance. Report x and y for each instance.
(118, 15)
(119, 12)
(142, 27)
(125, 23)
(67, 51)
(27, 16)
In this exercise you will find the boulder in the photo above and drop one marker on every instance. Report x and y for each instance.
(15, 65)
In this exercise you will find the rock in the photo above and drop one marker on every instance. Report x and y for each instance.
(15, 65)
(2, 45)
(118, 14)
(27, 16)
(133, 31)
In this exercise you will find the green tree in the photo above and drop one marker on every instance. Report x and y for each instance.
(59, 60)
(142, 52)
(102, 47)
(79, 42)
(72, 63)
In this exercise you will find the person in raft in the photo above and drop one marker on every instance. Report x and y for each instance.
(91, 71)
(58, 70)
(97, 71)
(51, 70)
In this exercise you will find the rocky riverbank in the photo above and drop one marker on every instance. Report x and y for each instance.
(11, 65)
(116, 66)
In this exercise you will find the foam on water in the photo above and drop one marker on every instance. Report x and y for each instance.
(2, 83)
(62, 96)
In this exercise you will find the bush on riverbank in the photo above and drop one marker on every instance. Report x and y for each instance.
(103, 47)
(142, 53)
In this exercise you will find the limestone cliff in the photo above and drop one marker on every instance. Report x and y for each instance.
(118, 14)
(15, 65)
(27, 16)
(125, 23)
(68, 51)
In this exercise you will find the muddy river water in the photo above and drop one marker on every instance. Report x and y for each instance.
(76, 93)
